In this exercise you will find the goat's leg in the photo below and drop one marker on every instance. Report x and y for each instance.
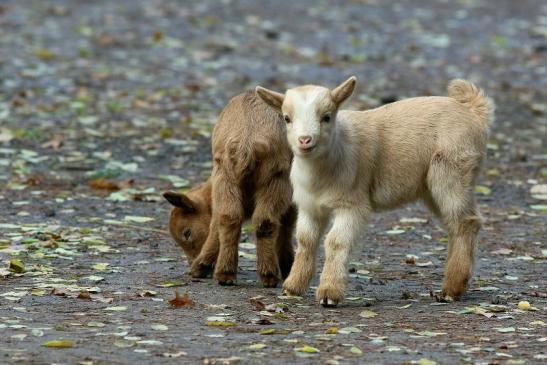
(461, 251)
(228, 207)
(451, 184)
(338, 244)
(309, 229)
(204, 263)
(271, 202)
(285, 249)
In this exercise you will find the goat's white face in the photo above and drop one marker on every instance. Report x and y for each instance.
(310, 114)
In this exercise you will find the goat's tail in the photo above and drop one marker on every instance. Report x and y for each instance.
(472, 97)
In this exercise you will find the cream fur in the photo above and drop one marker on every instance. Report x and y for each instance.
(427, 148)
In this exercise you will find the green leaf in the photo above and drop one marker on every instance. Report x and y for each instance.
(116, 309)
(17, 266)
(368, 314)
(59, 344)
(307, 349)
(257, 346)
(356, 350)
(540, 207)
(505, 329)
(483, 190)
(137, 219)
(100, 266)
(424, 361)
(220, 324)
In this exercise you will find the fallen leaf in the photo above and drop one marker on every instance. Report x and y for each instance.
(257, 346)
(307, 349)
(182, 301)
(368, 314)
(16, 266)
(159, 327)
(60, 292)
(483, 190)
(55, 142)
(59, 344)
(220, 324)
(116, 309)
(104, 184)
(355, 350)
(137, 219)
(505, 329)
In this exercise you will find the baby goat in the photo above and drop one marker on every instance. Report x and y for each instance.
(250, 179)
(350, 163)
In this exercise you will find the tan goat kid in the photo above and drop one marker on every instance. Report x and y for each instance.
(348, 164)
(250, 179)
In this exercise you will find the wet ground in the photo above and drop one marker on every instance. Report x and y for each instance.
(104, 105)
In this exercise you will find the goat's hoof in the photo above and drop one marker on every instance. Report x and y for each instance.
(328, 303)
(289, 293)
(201, 270)
(447, 296)
(269, 280)
(452, 293)
(226, 278)
(331, 295)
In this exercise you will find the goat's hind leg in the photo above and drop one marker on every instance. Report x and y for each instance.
(451, 185)
(285, 248)
(272, 201)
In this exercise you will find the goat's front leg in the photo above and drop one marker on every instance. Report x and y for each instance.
(338, 244)
(309, 229)
(229, 213)
(203, 265)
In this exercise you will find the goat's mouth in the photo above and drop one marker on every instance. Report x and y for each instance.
(306, 150)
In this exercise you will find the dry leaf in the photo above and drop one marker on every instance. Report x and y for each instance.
(182, 301)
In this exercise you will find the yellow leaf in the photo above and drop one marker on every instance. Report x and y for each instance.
(307, 349)
(16, 266)
(368, 314)
(483, 190)
(59, 344)
(220, 324)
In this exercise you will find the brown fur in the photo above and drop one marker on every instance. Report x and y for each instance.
(250, 180)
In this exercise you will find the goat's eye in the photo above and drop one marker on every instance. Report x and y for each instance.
(287, 119)
(326, 118)
(187, 233)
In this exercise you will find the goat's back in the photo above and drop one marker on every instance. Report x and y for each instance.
(249, 140)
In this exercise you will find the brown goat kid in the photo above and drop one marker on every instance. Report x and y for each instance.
(250, 180)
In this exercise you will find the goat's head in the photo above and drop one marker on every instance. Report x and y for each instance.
(310, 114)
(190, 219)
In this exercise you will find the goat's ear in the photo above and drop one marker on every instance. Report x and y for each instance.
(181, 201)
(343, 91)
(272, 98)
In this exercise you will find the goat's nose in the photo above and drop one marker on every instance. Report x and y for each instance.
(304, 140)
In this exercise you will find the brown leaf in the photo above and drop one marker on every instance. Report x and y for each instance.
(182, 301)
(104, 184)
(84, 294)
(55, 142)
(264, 321)
(59, 292)
(257, 304)
(411, 260)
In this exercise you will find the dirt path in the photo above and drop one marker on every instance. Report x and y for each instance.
(128, 91)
